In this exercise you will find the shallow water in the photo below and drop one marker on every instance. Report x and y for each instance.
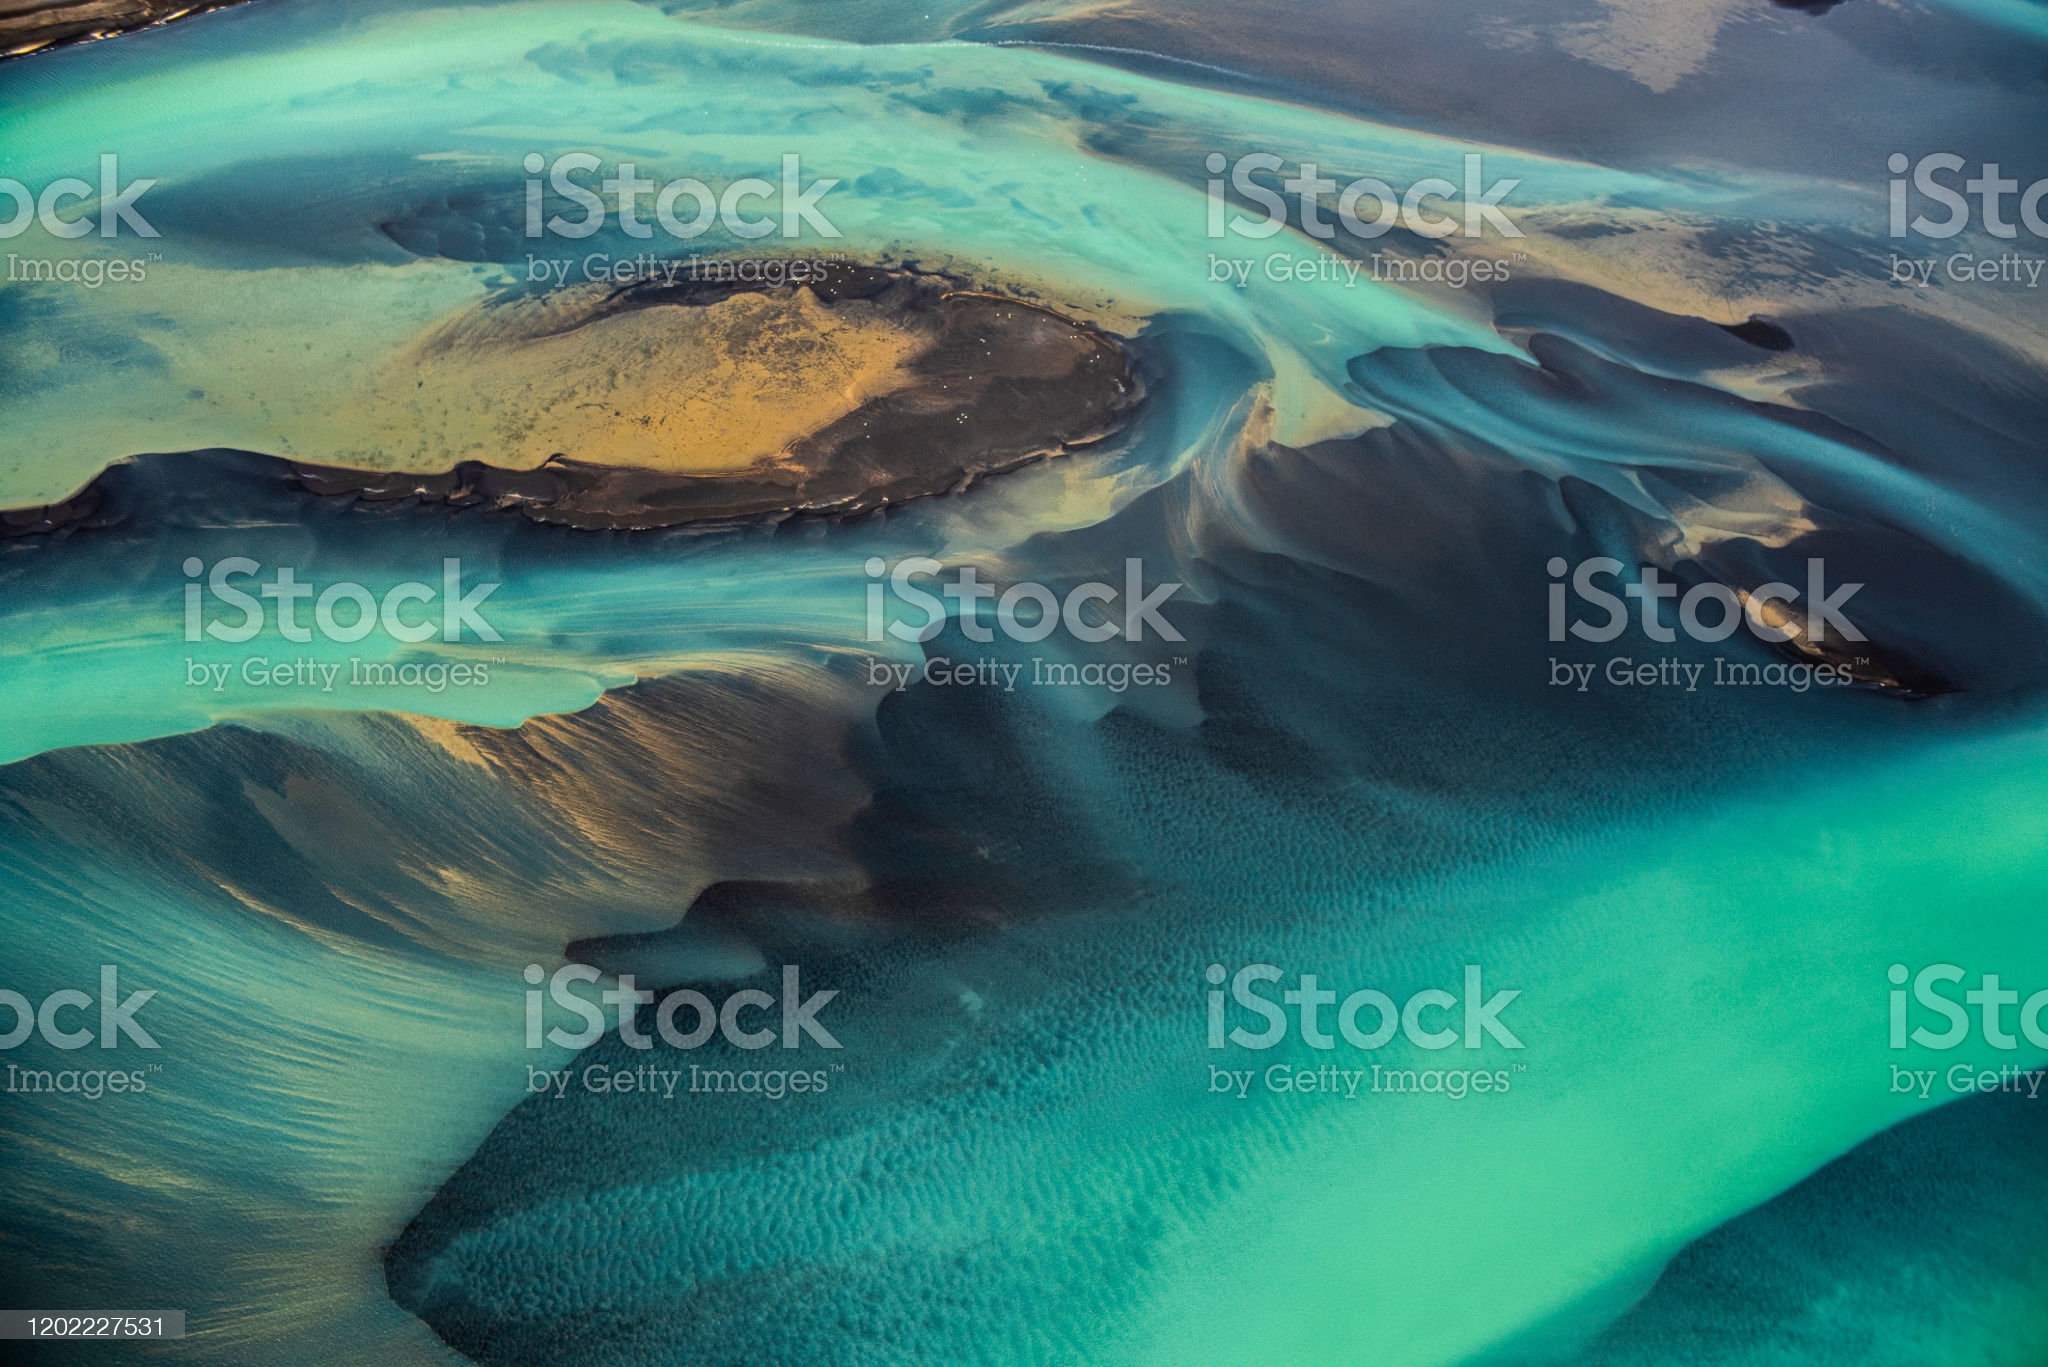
(1360, 761)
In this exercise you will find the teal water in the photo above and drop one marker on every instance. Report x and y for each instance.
(1360, 772)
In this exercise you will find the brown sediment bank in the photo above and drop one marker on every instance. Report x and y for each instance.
(953, 384)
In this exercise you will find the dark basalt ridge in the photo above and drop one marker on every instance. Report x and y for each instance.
(32, 25)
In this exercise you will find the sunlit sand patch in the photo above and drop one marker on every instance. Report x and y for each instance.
(702, 389)
(1656, 42)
